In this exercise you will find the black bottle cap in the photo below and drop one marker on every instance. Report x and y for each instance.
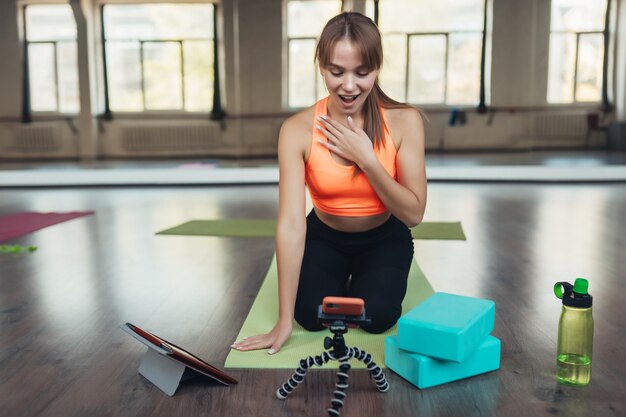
(574, 295)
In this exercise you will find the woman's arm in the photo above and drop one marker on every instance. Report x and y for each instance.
(291, 225)
(405, 198)
(290, 236)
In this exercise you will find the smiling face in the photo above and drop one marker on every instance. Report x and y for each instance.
(348, 80)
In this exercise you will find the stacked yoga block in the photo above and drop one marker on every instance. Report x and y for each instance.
(443, 339)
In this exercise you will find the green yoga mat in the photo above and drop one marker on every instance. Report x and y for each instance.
(302, 343)
(266, 228)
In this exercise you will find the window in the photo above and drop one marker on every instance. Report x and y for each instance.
(432, 50)
(50, 35)
(159, 57)
(576, 51)
(305, 21)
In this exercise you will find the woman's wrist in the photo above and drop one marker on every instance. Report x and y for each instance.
(284, 320)
(368, 163)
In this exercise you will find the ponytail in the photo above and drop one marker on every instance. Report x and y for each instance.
(373, 121)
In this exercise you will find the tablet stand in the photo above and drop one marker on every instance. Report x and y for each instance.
(164, 372)
(340, 352)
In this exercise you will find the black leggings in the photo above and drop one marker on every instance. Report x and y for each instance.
(372, 265)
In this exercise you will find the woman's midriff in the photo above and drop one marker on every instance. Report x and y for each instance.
(352, 224)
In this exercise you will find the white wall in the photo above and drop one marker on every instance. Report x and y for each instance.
(252, 60)
(520, 49)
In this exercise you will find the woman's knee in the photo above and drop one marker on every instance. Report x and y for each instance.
(306, 316)
(383, 319)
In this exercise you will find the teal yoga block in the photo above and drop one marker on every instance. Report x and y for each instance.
(446, 326)
(424, 372)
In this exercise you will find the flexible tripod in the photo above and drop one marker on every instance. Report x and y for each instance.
(340, 352)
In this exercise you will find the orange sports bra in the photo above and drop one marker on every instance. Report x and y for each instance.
(333, 187)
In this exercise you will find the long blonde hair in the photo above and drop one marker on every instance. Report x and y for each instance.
(364, 34)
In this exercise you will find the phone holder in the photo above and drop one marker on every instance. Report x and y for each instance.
(336, 350)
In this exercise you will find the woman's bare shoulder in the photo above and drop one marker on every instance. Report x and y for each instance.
(299, 122)
(404, 116)
(296, 131)
(404, 122)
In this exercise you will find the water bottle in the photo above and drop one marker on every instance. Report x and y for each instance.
(573, 356)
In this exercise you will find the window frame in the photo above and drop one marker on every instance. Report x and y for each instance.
(487, 14)
(574, 101)
(446, 35)
(28, 114)
(604, 103)
(286, 48)
(106, 111)
(316, 78)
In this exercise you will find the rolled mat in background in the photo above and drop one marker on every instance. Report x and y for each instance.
(266, 228)
(302, 343)
(19, 224)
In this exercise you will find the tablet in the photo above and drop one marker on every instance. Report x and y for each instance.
(179, 354)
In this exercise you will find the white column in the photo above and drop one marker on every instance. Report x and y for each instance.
(87, 126)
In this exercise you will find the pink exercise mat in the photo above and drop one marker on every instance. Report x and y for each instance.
(20, 224)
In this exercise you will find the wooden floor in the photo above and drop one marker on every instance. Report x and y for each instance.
(62, 353)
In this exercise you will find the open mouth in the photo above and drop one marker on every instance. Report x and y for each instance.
(348, 99)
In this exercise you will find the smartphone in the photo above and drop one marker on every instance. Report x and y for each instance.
(346, 306)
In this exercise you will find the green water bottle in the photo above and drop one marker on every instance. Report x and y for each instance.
(573, 356)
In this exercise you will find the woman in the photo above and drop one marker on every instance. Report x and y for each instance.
(361, 154)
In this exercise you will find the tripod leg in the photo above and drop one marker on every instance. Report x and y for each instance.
(298, 376)
(375, 371)
(341, 385)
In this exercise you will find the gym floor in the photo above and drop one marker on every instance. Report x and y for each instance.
(62, 352)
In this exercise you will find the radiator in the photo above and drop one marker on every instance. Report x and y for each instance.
(170, 137)
(554, 125)
(35, 138)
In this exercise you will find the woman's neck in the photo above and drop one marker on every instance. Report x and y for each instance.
(338, 115)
